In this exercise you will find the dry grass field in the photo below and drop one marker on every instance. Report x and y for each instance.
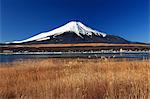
(75, 79)
(74, 45)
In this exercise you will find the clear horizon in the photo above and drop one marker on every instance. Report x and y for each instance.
(21, 19)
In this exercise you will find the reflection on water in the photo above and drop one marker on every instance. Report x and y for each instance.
(36, 55)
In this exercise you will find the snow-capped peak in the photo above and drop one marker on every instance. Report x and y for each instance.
(73, 26)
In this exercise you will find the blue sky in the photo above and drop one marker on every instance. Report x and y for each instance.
(21, 19)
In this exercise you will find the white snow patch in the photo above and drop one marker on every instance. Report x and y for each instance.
(73, 26)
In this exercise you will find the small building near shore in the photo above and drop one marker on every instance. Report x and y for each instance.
(7, 51)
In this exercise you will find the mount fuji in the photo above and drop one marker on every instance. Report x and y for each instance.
(73, 32)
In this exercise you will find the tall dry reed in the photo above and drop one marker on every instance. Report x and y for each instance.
(75, 79)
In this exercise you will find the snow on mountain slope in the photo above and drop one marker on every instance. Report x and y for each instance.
(73, 26)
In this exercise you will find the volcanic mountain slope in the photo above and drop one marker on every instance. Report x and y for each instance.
(73, 32)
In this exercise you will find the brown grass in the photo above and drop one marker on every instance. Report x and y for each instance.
(75, 79)
(74, 45)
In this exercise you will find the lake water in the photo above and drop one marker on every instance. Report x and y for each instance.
(37, 55)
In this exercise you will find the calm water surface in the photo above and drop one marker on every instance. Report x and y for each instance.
(23, 56)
